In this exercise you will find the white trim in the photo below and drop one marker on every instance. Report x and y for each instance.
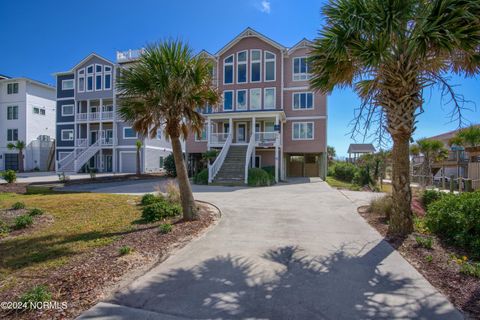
(249, 32)
(245, 63)
(303, 88)
(61, 135)
(299, 108)
(265, 60)
(88, 75)
(63, 152)
(98, 74)
(63, 99)
(307, 118)
(300, 45)
(107, 73)
(245, 135)
(129, 138)
(68, 114)
(256, 61)
(246, 99)
(274, 98)
(232, 64)
(307, 75)
(301, 123)
(63, 148)
(61, 123)
(68, 80)
(250, 96)
(81, 76)
(160, 148)
(126, 147)
(233, 100)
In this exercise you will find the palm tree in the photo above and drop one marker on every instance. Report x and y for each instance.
(331, 153)
(162, 91)
(138, 144)
(468, 137)
(20, 146)
(389, 51)
(432, 150)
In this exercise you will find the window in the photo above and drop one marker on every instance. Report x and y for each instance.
(12, 113)
(226, 127)
(161, 162)
(129, 133)
(241, 99)
(302, 131)
(81, 80)
(242, 67)
(98, 68)
(90, 78)
(67, 84)
(228, 70)
(255, 66)
(159, 134)
(269, 126)
(202, 136)
(67, 135)
(303, 101)
(269, 98)
(301, 69)
(36, 110)
(12, 134)
(107, 78)
(98, 77)
(68, 110)
(269, 66)
(227, 100)
(42, 112)
(12, 88)
(255, 99)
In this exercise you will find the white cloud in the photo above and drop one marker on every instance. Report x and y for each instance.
(265, 6)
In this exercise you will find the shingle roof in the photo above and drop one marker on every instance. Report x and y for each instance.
(361, 148)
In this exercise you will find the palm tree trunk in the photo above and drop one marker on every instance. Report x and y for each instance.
(186, 195)
(401, 219)
(20, 160)
(138, 162)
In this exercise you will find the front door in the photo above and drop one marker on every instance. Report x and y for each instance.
(93, 136)
(108, 136)
(241, 132)
(107, 163)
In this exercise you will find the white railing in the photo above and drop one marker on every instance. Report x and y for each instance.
(86, 154)
(63, 163)
(215, 167)
(218, 139)
(81, 116)
(81, 142)
(123, 56)
(107, 141)
(266, 138)
(248, 155)
(107, 115)
(95, 116)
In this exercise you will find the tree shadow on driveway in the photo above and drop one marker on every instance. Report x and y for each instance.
(297, 286)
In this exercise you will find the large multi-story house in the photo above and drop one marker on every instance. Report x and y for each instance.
(27, 113)
(90, 133)
(269, 116)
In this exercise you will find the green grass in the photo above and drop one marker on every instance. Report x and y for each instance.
(82, 221)
(341, 184)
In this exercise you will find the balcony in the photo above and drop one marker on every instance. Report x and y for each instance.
(94, 116)
(83, 143)
(262, 139)
(129, 55)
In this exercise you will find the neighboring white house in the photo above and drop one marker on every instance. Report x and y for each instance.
(27, 113)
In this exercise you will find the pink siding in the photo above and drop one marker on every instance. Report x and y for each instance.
(193, 146)
(319, 105)
(300, 52)
(317, 145)
(267, 157)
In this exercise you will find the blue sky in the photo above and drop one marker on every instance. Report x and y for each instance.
(39, 38)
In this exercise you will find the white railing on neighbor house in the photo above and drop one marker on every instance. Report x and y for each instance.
(265, 138)
(86, 154)
(123, 56)
(217, 164)
(218, 139)
(81, 116)
(81, 142)
(248, 155)
(94, 116)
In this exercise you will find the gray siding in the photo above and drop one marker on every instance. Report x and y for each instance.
(152, 159)
(61, 118)
(60, 142)
(103, 94)
(64, 93)
(121, 141)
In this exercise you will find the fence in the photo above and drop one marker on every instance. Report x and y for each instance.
(474, 174)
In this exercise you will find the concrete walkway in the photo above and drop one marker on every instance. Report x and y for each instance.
(293, 251)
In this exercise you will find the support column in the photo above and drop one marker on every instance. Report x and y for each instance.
(282, 158)
(254, 137)
(209, 129)
(230, 125)
(276, 151)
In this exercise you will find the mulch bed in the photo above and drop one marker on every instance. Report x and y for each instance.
(19, 188)
(95, 275)
(8, 216)
(442, 271)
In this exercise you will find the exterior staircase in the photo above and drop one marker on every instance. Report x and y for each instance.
(72, 163)
(232, 171)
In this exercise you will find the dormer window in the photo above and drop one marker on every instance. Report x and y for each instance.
(256, 66)
(107, 78)
(269, 66)
(228, 70)
(242, 67)
(98, 77)
(301, 69)
(90, 78)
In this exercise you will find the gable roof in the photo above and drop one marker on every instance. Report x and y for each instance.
(206, 53)
(300, 44)
(361, 148)
(249, 32)
(93, 54)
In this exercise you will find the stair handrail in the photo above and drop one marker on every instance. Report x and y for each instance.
(248, 155)
(217, 164)
(66, 160)
(95, 146)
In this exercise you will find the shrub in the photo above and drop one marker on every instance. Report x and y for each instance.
(201, 177)
(18, 205)
(4, 229)
(165, 228)
(258, 177)
(471, 269)
(456, 219)
(173, 193)
(160, 210)
(35, 295)
(35, 212)
(382, 206)
(62, 177)
(426, 242)
(169, 166)
(92, 172)
(429, 196)
(10, 176)
(331, 170)
(429, 258)
(362, 177)
(123, 250)
(150, 198)
(344, 171)
(22, 221)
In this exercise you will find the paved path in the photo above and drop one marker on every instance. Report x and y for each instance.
(293, 251)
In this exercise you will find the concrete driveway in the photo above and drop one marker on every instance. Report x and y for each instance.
(293, 251)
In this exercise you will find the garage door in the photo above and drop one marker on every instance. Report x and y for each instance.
(127, 162)
(11, 161)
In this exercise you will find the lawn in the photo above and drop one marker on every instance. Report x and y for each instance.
(341, 184)
(81, 221)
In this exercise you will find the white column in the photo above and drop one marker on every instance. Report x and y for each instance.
(254, 137)
(209, 129)
(88, 122)
(282, 157)
(276, 151)
(230, 125)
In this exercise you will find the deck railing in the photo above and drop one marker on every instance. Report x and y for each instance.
(217, 164)
(218, 139)
(248, 155)
(265, 138)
